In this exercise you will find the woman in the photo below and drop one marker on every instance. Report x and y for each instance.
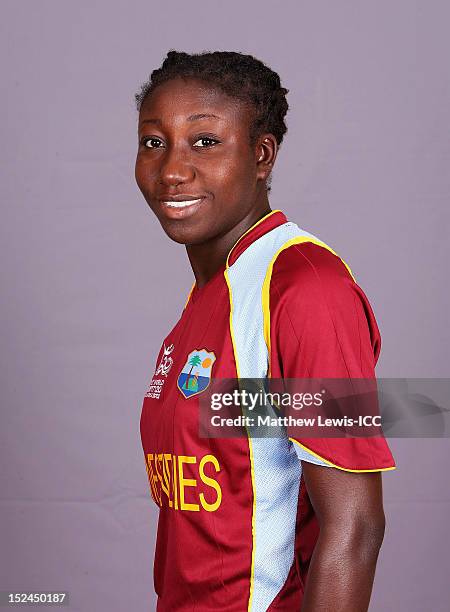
(249, 523)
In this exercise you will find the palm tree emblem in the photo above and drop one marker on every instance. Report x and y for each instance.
(196, 373)
(194, 361)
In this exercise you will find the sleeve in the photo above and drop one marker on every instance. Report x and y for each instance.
(322, 326)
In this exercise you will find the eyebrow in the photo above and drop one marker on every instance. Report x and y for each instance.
(190, 118)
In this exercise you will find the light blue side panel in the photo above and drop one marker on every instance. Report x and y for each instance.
(277, 469)
(303, 455)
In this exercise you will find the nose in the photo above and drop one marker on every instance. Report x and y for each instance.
(175, 167)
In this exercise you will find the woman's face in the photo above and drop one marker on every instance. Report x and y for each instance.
(195, 166)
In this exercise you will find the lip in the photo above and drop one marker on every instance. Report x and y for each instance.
(180, 197)
(173, 207)
(180, 203)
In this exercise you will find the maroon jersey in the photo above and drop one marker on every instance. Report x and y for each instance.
(236, 529)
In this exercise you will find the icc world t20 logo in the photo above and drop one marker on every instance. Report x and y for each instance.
(196, 373)
(166, 362)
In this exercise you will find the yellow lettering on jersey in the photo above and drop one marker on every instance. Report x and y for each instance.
(210, 482)
(186, 482)
(153, 479)
(150, 476)
(175, 481)
(157, 459)
(167, 477)
(164, 482)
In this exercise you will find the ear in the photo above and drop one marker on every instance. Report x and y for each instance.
(266, 153)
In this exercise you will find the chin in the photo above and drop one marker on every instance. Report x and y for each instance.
(183, 234)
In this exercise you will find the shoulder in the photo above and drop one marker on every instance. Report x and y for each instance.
(313, 302)
(313, 288)
(310, 272)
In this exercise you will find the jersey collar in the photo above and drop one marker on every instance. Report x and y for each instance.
(261, 227)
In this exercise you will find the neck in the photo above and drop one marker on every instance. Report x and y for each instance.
(207, 258)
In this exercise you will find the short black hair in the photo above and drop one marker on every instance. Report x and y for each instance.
(237, 75)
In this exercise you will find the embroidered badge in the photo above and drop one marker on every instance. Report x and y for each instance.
(196, 373)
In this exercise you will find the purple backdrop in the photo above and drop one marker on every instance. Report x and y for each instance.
(91, 285)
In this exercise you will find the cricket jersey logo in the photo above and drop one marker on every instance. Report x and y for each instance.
(196, 373)
(166, 362)
(156, 384)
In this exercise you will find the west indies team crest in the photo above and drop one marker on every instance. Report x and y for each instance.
(196, 373)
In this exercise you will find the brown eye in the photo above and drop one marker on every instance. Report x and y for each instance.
(146, 142)
(205, 138)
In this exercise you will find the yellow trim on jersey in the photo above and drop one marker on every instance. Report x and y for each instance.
(230, 251)
(252, 572)
(272, 212)
(338, 466)
(266, 284)
(189, 296)
(250, 447)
